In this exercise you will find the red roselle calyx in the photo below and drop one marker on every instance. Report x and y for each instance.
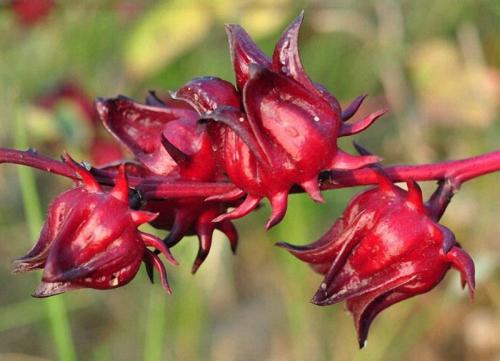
(283, 132)
(91, 240)
(29, 12)
(386, 247)
(167, 138)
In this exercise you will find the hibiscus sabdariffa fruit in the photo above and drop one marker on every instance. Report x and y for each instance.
(386, 247)
(90, 239)
(168, 140)
(279, 129)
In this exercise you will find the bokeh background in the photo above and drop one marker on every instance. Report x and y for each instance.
(434, 63)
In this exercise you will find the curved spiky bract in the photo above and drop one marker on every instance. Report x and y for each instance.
(286, 57)
(353, 107)
(154, 261)
(414, 198)
(243, 52)
(86, 177)
(120, 190)
(248, 205)
(312, 188)
(155, 242)
(360, 125)
(462, 262)
(385, 184)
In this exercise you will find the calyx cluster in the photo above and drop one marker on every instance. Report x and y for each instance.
(211, 152)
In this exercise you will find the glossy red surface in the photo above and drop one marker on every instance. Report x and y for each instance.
(386, 247)
(90, 239)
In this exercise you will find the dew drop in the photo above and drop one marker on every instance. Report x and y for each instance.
(323, 286)
(284, 69)
(242, 119)
(316, 118)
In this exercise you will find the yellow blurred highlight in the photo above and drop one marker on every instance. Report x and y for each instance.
(164, 33)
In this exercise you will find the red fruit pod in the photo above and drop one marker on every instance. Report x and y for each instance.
(91, 240)
(169, 140)
(29, 12)
(288, 126)
(385, 248)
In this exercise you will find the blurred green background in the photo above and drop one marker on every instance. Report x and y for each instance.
(434, 63)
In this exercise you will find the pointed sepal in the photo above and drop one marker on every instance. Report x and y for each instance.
(120, 190)
(244, 52)
(414, 196)
(353, 107)
(346, 161)
(86, 177)
(461, 261)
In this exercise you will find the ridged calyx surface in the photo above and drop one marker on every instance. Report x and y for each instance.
(385, 248)
(90, 239)
(282, 130)
(168, 139)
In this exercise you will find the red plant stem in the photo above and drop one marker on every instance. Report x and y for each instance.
(33, 159)
(456, 171)
(157, 187)
(181, 189)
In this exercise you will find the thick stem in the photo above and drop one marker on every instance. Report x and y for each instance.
(150, 187)
(457, 171)
(157, 187)
(33, 159)
(454, 172)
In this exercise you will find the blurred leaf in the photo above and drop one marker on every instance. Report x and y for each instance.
(165, 32)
